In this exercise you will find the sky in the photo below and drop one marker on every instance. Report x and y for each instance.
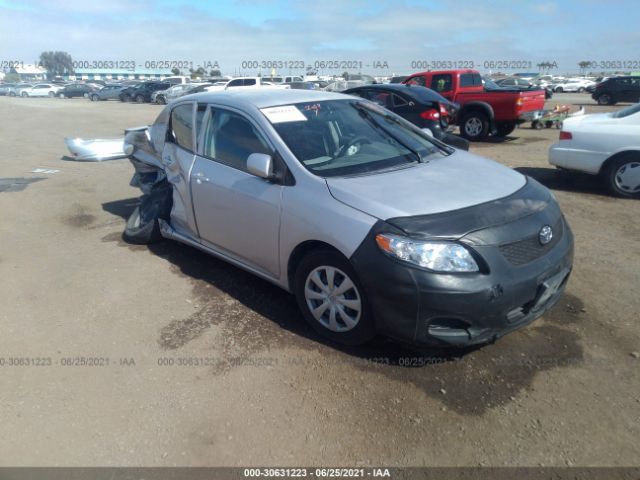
(382, 37)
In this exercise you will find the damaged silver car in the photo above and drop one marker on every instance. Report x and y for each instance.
(375, 226)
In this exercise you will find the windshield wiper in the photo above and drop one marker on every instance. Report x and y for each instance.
(368, 112)
(367, 115)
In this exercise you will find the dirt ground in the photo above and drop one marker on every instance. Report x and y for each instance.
(190, 361)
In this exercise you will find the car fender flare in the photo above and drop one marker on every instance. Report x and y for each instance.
(480, 106)
(625, 151)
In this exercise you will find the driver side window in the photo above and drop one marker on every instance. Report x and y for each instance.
(230, 139)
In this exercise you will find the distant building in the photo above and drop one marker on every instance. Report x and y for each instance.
(29, 72)
(116, 74)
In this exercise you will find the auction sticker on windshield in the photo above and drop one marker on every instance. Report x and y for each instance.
(284, 113)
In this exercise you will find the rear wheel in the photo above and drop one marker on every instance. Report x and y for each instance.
(331, 298)
(160, 100)
(581, 90)
(559, 89)
(475, 126)
(25, 94)
(94, 98)
(623, 176)
(139, 99)
(505, 128)
(51, 94)
(605, 99)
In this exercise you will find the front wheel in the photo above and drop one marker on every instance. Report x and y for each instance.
(475, 126)
(25, 94)
(623, 176)
(51, 94)
(94, 98)
(559, 90)
(332, 300)
(139, 99)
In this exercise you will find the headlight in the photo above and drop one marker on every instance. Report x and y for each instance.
(437, 256)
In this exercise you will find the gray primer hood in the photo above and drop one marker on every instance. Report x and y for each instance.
(458, 181)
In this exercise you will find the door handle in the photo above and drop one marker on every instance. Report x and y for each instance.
(200, 178)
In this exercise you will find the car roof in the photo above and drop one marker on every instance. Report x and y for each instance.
(418, 92)
(263, 97)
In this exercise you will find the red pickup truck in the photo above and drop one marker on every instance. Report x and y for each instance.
(482, 111)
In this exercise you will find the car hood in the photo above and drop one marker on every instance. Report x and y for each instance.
(458, 181)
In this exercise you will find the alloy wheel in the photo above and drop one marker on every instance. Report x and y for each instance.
(473, 126)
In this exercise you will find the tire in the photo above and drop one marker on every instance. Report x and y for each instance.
(51, 94)
(351, 325)
(25, 94)
(475, 126)
(581, 90)
(537, 124)
(139, 99)
(505, 128)
(160, 100)
(94, 98)
(559, 89)
(12, 94)
(143, 227)
(623, 176)
(61, 95)
(605, 99)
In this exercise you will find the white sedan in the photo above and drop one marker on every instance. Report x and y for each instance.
(41, 90)
(574, 85)
(606, 144)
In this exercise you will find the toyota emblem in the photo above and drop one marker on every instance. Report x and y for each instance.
(545, 235)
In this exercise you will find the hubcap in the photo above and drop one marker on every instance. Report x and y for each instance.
(628, 177)
(333, 298)
(473, 126)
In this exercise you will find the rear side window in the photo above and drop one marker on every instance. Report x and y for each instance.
(474, 79)
(249, 81)
(466, 80)
(181, 131)
(441, 83)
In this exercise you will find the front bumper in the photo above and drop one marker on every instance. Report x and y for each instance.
(437, 309)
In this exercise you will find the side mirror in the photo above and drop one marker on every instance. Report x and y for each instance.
(260, 165)
(427, 131)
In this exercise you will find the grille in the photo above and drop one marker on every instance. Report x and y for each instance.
(529, 249)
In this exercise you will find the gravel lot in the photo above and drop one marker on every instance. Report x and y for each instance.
(563, 391)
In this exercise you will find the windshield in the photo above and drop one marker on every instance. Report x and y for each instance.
(625, 112)
(350, 137)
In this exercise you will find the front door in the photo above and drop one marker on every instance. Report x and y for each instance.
(236, 212)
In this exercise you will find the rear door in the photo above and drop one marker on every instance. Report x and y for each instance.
(236, 212)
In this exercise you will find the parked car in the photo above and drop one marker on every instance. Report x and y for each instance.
(520, 84)
(141, 93)
(617, 89)
(40, 90)
(398, 79)
(5, 88)
(605, 144)
(301, 85)
(420, 105)
(17, 90)
(77, 90)
(244, 82)
(573, 85)
(162, 97)
(482, 111)
(279, 80)
(109, 92)
(374, 226)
